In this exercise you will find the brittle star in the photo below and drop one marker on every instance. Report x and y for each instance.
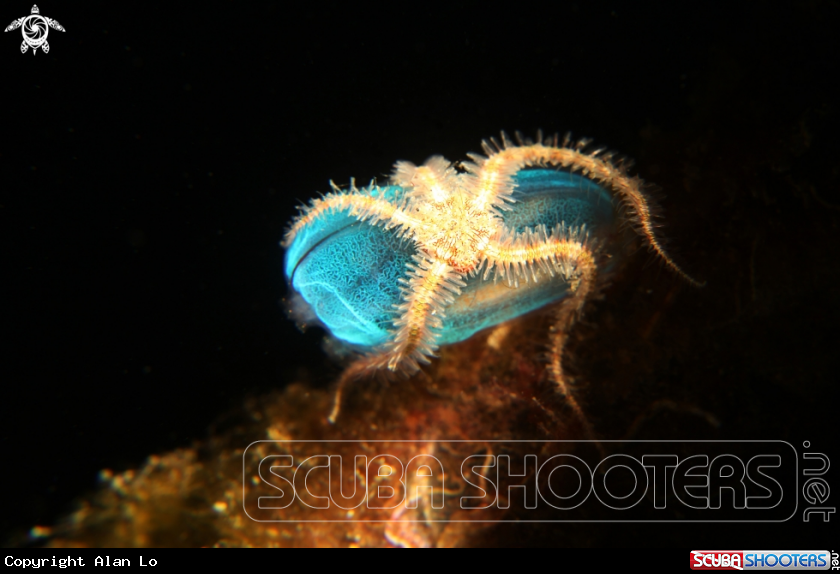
(454, 218)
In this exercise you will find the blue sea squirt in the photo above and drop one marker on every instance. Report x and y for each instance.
(444, 250)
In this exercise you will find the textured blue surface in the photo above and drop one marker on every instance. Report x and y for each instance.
(348, 271)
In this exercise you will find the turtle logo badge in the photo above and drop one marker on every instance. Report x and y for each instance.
(35, 29)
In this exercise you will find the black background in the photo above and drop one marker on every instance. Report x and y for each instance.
(151, 161)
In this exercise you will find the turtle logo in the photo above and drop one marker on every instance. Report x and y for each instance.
(35, 29)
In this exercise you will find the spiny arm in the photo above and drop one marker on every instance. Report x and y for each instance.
(567, 252)
(495, 171)
(564, 251)
(521, 255)
(360, 205)
(433, 182)
(583, 287)
(429, 288)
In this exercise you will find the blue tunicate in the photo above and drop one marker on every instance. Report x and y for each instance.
(348, 271)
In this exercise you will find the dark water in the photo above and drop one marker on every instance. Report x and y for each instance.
(152, 160)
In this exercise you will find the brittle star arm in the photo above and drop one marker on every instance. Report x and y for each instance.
(494, 173)
(433, 182)
(565, 252)
(362, 206)
(431, 286)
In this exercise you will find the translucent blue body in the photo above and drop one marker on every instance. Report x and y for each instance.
(348, 272)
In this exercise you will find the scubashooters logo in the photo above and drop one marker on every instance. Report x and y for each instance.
(797, 560)
(544, 481)
(35, 29)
